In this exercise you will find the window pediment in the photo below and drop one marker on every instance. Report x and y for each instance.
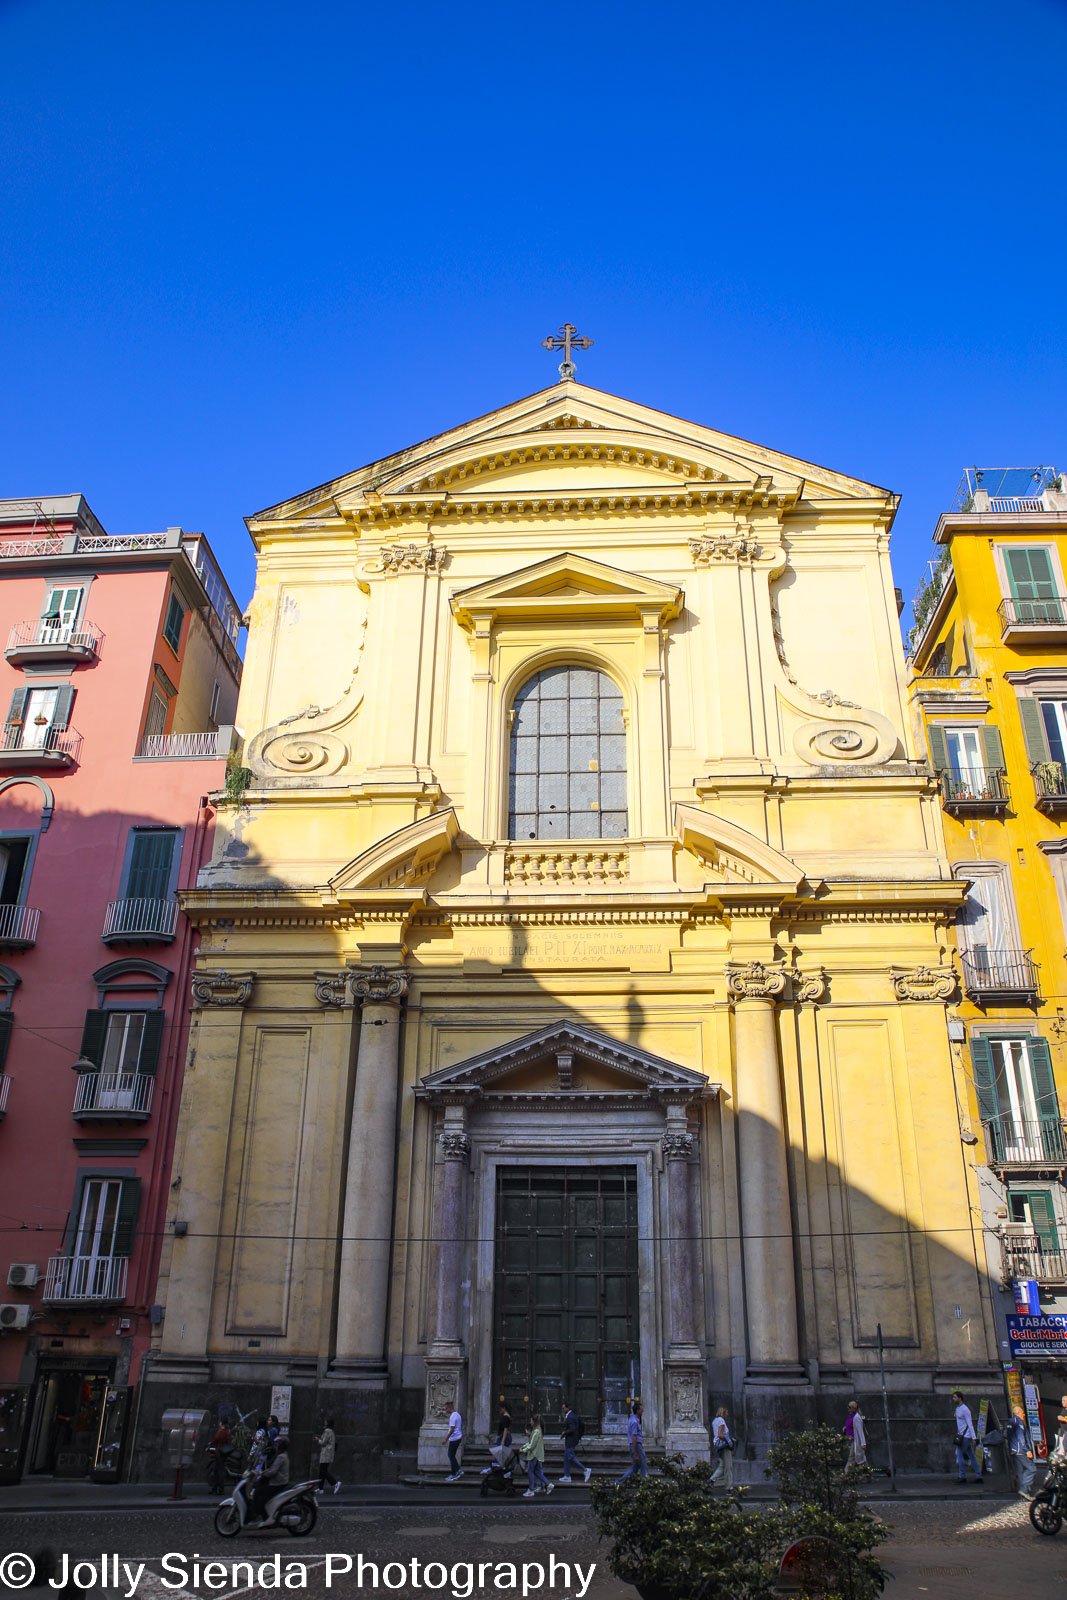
(566, 584)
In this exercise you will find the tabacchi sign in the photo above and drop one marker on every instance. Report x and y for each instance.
(1040, 1337)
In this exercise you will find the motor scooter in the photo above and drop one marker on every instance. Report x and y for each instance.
(1049, 1506)
(292, 1508)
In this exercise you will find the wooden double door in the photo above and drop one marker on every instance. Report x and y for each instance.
(565, 1302)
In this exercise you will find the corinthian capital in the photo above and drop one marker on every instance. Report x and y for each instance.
(222, 988)
(455, 1145)
(379, 986)
(754, 980)
(677, 1146)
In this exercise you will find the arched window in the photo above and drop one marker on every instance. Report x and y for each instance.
(567, 777)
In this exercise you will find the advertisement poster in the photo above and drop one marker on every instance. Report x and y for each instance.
(281, 1398)
(1035, 1418)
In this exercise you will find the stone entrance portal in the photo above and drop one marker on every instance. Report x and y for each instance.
(566, 1202)
(566, 1322)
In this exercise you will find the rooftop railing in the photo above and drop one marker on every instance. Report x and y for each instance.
(1005, 489)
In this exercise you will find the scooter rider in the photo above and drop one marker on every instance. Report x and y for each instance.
(272, 1478)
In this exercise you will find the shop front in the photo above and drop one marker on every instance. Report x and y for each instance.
(70, 1422)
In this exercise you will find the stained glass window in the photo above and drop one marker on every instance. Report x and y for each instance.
(567, 776)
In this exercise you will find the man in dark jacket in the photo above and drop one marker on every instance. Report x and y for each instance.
(572, 1433)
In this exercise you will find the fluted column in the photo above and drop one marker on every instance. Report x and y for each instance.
(367, 1229)
(766, 1215)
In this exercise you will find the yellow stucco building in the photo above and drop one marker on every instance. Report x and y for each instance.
(572, 987)
(989, 688)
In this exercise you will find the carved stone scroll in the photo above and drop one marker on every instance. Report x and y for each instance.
(222, 988)
(926, 983)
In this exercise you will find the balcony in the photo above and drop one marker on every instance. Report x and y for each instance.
(979, 791)
(18, 927)
(52, 641)
(85, 1280)
(1028, 1256)
(113, 1097)
(1033, 621)
(38, 746)
(1050, 784)
(999, 975)
(140, 921)
(1029, 1146)
(187, 746)
(5, 1085)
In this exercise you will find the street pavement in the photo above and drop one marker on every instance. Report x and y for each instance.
(939, 1548)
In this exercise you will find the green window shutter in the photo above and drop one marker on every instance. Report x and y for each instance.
(984, 1081)
(148, 877)
(64, 706)
(1030, 573)
(17, 709)
(1048, 1105)
(151, 1041)
(7, 1023)
(1033, 730)
(992, 748)
(93, 1036)
(1044, 1219)
(938, 747)
(126, 1225)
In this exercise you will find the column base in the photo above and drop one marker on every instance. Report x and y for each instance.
(687, 1428)
(357, 1374)
(446, 1391)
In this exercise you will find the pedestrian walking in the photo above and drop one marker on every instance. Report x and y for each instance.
(572, 1433)
(1021, 1451)
(455, 1440)
(534, 1453)
(855, 1432)
(327, 1443)
(723, 1447)
(636, 1439)
(965, 1437)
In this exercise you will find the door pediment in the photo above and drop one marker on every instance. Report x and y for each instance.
(565, 1062)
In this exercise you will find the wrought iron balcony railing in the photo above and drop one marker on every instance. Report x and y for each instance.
(1026, 1144)
(18, 926)
(24, 744)
(113, 1096)
(85, 1278)
(999, 974)
(1033, 616)
(152, 921)
(53, 640)
(1050, 784)
(5, 1086)
(979, 789)
(1026, 1255)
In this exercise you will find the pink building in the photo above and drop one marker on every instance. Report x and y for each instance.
(117, 692)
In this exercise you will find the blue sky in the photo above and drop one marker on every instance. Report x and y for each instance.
(247, 247)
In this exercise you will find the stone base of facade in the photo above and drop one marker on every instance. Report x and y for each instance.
(446, 1389)
(684, 1386)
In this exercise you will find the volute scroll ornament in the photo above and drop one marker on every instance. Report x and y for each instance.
(926, 983)
(310, 741)
(756, 980)
(811, 988)
(222, 988)
(379, 986)
(331, 989)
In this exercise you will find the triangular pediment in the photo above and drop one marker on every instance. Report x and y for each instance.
(571, 583)
(566, 1058)
(569, 440)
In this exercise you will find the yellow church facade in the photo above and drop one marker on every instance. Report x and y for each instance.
(571, 996)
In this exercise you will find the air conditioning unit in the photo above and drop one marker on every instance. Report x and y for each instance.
(23, 1275)
(12, 1316)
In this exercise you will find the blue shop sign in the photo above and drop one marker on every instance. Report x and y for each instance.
(1043, 1337)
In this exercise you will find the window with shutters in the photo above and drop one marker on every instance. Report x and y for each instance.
(994, 964)
(60, 614)
(36, 716)
(1044, 723)
(156, 721)
(1017, 1099)
(1036, 599)
(969, 761)
(173, 622)
(15, 852)
(151, 864)
(1034, 1210)
(120, 1053)
(567, 774)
